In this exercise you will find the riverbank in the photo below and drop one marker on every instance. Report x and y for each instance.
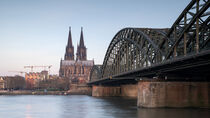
(30, 92)
(74, 90)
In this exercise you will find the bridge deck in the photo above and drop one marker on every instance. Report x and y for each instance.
(193, 67)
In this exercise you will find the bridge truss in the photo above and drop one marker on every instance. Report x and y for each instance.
(148, 51)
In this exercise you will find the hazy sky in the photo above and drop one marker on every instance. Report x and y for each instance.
(35, 32)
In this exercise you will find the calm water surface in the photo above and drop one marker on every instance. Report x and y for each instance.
(79, 106)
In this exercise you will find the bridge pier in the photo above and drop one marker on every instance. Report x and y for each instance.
(153, 94)
(129, 90)
(105, 91)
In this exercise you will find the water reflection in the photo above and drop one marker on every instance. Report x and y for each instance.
(115, 107)
(86, 107)
(28, 111)
(173, 113)
(90, 107)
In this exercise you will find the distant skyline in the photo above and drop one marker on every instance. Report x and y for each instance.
(36, 32)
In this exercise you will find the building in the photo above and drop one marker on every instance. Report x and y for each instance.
(12, 82)
(33, 79)
(2, 83)
(76, 70)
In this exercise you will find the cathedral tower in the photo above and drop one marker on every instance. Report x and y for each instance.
(69, 55)
(77, 71)
(81, 49)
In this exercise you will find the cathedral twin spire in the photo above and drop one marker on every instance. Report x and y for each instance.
(70, 39)
(81, 49)
(81, 42)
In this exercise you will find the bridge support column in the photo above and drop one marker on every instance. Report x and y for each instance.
(105, 91)
(129, 90)
(173, 94)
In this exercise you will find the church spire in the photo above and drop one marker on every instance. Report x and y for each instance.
(81, 42)
(69, 55)
(81, 49)
(69, 39)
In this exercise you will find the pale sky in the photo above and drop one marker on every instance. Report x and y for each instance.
(35, 32)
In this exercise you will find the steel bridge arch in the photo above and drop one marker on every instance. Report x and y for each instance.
(189, 31)
(95, 73)
(189, 35)
(138, 39)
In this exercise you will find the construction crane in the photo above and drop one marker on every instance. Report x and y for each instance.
(32, 67)
(21, 72)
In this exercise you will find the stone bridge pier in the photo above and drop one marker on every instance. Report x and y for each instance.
(129, 90)
(156, 93)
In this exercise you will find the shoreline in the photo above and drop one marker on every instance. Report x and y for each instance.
(30, 92)
(36, 92)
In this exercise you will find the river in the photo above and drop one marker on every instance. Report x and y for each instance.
(81, 106)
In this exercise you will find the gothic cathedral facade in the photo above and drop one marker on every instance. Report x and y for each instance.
(76, 70)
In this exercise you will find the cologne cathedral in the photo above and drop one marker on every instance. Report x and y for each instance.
(76, 70)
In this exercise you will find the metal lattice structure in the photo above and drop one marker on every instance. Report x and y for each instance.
(133, 49)
(190, 32)
(95, 73)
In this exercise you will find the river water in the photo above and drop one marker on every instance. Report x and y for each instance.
(81, 106)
